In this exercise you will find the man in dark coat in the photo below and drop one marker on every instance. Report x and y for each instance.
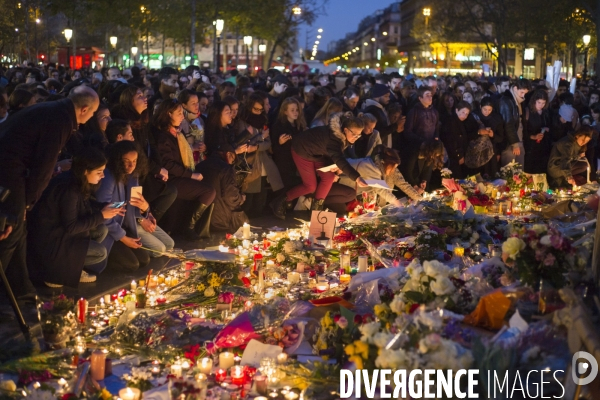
(218, 172)
(511, 111)
(423, 119)
(29, 146)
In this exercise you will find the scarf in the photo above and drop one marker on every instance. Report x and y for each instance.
(185, 150)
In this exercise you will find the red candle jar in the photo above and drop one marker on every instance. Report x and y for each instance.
(82, 306)
(237, 375)
(220, 375)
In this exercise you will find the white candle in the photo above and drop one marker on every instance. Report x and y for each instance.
(246, 231)
(300, 267)
(129, 394)
(345, 261)
(133, 285)
(185, 365)
(224, 249)
(226, 360)
(293, 277)
(282, 358)
(270, 264)
(107, 299)
(206, 365)
(362, 263)
(588, 174)
(176, 370)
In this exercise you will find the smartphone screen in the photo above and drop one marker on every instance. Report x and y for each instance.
(117, 204)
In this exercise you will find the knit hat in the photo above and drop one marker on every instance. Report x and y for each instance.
(379, 90)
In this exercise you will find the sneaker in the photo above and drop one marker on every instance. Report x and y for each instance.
(87, 278)
(53, 285)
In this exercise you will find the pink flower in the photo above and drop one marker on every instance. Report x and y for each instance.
(549, 260)
(342, 322)
(336, 318)
(226, 297)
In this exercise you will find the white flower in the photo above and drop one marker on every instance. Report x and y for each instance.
(381, 339)
(280, 258)
(539, 228)
(412, 284)
(449, 355)
(435, 268)
(397, 305)
(545, 240)
(429, 342)
(432, 320)
(513, 246)
(369, 330)
(289, 247)
(442, 286)
(393, 359)
(414, 268)
(209, 292)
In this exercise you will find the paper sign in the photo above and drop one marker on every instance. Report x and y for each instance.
(256, 351)
(328, 168)
(321, 221)
(377, 183)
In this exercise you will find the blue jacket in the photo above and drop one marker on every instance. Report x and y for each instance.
(110, 191)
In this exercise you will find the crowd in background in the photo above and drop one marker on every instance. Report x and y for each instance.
(107, 166)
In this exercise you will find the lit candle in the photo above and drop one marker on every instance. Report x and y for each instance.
(345, 278)
(220, 375)
(282, 358)
(97, 365)
(107, 298)
(237, 375)
(261, 385)
(153, 281)
(291, 396)
(224, 249)
(226, 360)
(246, 244)
(142, 282)
(322, 287)
(102, 305)
(129, 394)
(62, 382)
(201, 379)
(246, 231)
(362, 263)
(133, 285)
(168, 281)
(155, 370)
(293, 277)
(176, 370)
(270, 264)
(161, 279)
(300, 267)
(237, 360)
(345, 261)
(185, 365)
(459, 251)
(206, 365)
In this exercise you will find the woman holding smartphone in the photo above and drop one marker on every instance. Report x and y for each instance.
(123, 241)
(66, 226)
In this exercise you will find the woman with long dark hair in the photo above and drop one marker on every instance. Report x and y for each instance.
(66, 227)
(317, 148)
(178, 159)
(536, 136)
(123, 241)
(133, 107)
(94, 131)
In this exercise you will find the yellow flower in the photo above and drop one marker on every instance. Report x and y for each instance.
(325, 358)
(349, 349)
(361, 348)
(201, 287)
(382, 311)
(327, 321)
(357, 361)
(105, 394)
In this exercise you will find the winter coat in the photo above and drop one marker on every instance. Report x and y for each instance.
(536, 154)
(325, 144)
(383, 126)
(455, 136)
(282, 153)
(564, 154)
(422, 121)
(59, 237)
(219, 175)
(508, 108)
(168, 148)
(29, 146)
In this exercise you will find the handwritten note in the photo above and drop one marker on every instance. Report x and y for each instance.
(256, 351)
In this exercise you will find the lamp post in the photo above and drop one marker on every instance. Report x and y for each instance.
(68, 35)
(262, 48)
(113, 43)
(146, 13)
(586, 43)
(219, 25)
(248, 43)
(134, 51)
(37, 21)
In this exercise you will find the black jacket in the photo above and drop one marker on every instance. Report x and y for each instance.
(564, 154)
(219, 175)
(509, 110)
(168, 149)
(29, 146)
(60, 231)
(324, 144)
(536, 154)
(495, 122)
(422, 121)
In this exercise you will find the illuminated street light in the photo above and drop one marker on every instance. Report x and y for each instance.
(318, 36)
(320, 30)
(68, 34)
(384, 33)
(219, 25)
(366, 44)
(427, 12)
(248, 40)
(262, 48)
(297, 10)
(372, 39)
(316, 42)
(37, 20)
(113, 41)
(586, 39)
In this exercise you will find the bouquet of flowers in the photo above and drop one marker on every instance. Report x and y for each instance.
(514, 176)
(539, 253)
(427, 242)
(481, 200)
(334, 333)
(57, 318)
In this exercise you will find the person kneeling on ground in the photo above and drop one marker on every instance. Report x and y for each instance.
(567, 164)
(218, 172)
(67, 227)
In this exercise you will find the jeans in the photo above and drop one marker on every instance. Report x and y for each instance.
(308, 171)
(157, 240)
(96, 252)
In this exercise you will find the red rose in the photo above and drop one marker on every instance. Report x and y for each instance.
(413, 308)
(358, 319)
(336, 318)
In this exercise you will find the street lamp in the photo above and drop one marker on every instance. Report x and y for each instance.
(37, 21)
(297, 10)
(113, 43)
(262, 48)
(248, 43)
(219, 25)
(586, 43)
(320, 30)
(68, 35)
(134, 51)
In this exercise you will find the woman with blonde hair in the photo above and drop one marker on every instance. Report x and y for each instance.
(331, 107)
(290, 122)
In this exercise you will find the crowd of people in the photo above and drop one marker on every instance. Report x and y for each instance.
(101, 168)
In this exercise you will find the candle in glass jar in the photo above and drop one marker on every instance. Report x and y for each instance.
(176, 370)
(107, 299)
(201, 379)
(345, 261)
(226, 360)
(220, 375)
(237, 375)
(362, 263)
(459, 251)
(261, 385)
(206, 365)
(345, 278)
(293, 277)
(97, 365)
(321, 287)
(185, 365)
(133, 286)
(161, 279)
(282, 358)
(129, 394)
(168, 281)
(300, 267)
